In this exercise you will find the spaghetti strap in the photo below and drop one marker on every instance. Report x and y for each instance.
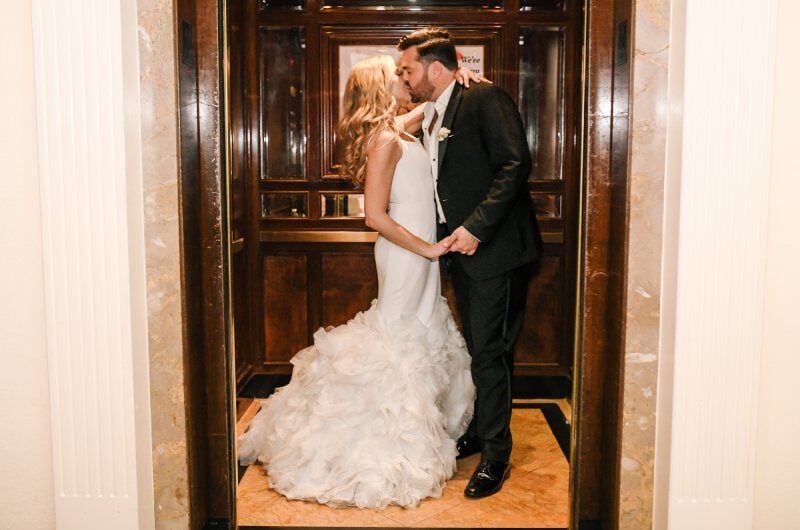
(387, 143)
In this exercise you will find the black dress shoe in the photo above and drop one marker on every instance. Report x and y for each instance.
(487, 479)
(467, 446)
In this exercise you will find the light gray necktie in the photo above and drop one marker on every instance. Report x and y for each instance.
(432, 124)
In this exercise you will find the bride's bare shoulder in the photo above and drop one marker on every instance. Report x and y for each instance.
(386, 141)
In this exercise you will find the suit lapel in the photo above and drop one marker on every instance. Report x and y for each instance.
(449, 116)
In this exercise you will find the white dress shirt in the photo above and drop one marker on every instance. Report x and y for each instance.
(431, 140)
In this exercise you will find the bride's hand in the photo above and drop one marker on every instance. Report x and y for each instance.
(464, 76)
(440, 248)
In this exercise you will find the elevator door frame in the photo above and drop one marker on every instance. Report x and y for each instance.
(600, 317)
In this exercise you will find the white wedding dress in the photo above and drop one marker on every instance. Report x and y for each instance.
(374, 407)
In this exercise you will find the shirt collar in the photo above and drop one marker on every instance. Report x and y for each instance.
(441, 102)
(444, 98)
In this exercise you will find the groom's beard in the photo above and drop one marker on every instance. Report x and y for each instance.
(422, 92)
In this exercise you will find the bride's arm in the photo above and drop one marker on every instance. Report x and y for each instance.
(381, 163)
(411, 121)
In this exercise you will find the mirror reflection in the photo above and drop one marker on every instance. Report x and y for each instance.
(283, 125)
(339, 205)
(541, 5)
(548, 205)
(278, 5)
(541, 96)
(284, 205)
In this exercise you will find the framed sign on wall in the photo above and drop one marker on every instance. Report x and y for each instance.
(343, 47)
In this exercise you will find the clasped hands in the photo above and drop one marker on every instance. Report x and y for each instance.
(459, 241)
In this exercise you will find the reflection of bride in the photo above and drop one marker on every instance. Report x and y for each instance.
(374, 407)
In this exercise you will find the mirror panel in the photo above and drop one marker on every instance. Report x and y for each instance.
(341, 205)
(283, 205)
(283, 120)
(541, 101)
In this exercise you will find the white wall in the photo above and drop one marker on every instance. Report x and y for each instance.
(777, 506)
(26, 493)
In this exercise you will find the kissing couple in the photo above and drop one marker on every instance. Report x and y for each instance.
(378, 410)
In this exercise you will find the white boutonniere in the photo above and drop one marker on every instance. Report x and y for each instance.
(443, 134)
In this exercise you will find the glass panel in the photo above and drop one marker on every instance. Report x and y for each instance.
(548, 205)
(412, 4)
(541, 98)
(541, 5)
(283, 123)
(281, 4)
(333, 205)
(284, 205)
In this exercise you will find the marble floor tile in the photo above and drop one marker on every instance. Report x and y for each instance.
(536, 495)
(452, 496)
(566, 409)
(501, 510)
(563, 404)
(259, 505)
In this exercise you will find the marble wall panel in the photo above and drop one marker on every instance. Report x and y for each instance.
(646, 207)
(162, 239)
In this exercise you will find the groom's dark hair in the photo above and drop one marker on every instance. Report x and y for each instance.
(433, 44)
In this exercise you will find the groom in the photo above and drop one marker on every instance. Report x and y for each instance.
(480, 161)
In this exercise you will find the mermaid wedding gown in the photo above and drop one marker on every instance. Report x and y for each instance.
(374, 407)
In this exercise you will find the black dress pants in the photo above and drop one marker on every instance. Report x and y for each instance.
(492, 312)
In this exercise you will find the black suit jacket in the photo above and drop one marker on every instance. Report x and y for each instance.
(484, 165)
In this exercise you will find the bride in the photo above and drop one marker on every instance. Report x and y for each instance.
(374, 406)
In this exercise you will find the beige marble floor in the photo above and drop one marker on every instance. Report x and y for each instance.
(536, 495)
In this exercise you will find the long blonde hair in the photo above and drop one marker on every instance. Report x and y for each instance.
(368, 109)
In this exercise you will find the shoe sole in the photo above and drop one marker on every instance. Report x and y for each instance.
(491, 491)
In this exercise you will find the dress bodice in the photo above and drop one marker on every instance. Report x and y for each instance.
(411, 201)
(412, 180)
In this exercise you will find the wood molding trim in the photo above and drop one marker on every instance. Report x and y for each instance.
(601, 313)
(349, 236)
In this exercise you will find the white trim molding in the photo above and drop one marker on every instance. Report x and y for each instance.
(86, 65)
(718, 308)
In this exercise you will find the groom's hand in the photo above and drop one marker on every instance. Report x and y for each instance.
(465, 242)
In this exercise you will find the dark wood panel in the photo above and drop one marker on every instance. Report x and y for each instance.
(238, 146)
(285, 306)
(349, 284)
(214, 236)
(243, 352)
(192, 280)
(541, 341)
(541, 346)
(603, 280)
